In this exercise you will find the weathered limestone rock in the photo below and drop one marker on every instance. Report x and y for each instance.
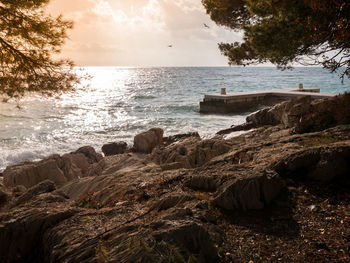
(324, 114)
(189, 236)
(287, 113)
(321, 163)
(83, 158)
(190, 152)
(96, 169)
(114, 148)
(261, 118)
(90, 153)
(202, 182)
(252, 192)
(171, 166)
(21, 230)
(303, 114)
(43, 187)
(175, 138)
(171, 201)
(145, 142)
(56, 169)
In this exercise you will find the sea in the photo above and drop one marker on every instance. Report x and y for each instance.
(117, 103)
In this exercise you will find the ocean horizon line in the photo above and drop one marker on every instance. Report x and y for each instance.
(228, 66)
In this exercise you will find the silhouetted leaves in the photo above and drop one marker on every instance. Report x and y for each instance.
(28, 38)
(311, 32)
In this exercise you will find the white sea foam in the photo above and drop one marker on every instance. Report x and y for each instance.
(121, 102)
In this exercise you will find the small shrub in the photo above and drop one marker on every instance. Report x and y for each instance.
(88, 201)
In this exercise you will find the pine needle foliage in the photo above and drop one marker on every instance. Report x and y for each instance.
(282, 32)
(28, 39)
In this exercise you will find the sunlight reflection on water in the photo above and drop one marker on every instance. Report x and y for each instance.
(121, 102)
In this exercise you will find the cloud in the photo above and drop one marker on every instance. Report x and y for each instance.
(138, 32)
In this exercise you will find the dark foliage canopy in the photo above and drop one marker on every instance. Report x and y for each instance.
(28, 39)
(310, 32)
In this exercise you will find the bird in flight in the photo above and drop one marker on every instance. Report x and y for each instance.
(170, 45)
(205, 25)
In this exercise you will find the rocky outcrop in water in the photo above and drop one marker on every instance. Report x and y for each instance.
(302, 114)
(59, 169)
(114, 148)
(185, 200)
(145, 142)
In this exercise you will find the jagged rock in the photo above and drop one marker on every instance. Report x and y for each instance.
(303, 114)
(96, 169)
(252, 192)
(242, 127)
(171, 166)
(151, 212)
(90, 153)
(175, 138)
(262, 117)
(190, 152)
(21, 230)
(83, 158)
(4, 197)
(114, 148)
(161, 241)
(171, 201)
(19, 190)
(323, 114)
(189, 236)
(202, 182)
(145, 142)
(56, 169)
(43, 187)
(321, 163)
(287, 113)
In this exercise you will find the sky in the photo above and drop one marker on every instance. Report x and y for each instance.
(139, 32)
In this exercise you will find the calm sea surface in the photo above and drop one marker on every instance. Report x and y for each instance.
(121, 102)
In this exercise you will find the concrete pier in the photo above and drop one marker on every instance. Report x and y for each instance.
(251, 101)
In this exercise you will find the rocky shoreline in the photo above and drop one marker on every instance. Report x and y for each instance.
(277, 193)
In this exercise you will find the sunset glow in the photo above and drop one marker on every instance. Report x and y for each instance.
(139, 32)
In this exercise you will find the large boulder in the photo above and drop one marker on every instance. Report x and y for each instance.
(145, 142)
(114, 148)
(287, 113)
(323, 114)
(322, 164)
(251, 192)
(290, 113)
(83, 158)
